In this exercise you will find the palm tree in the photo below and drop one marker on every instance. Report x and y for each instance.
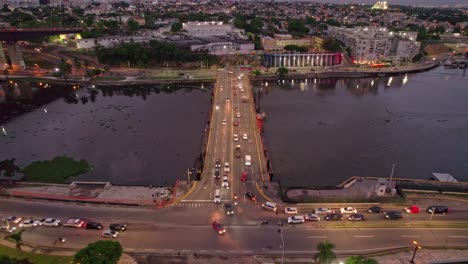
(77, 64)
(325, 252)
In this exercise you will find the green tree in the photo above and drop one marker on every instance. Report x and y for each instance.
(11, 260)
(132, 25)
(297, 27)
(18, 239)
(100, 252)
(360, 260)
(65, 68)
(5, 8)
(282, 71)
(325, 252)
(331, 45)
(176, 27)
(239, 23)
(296, 48)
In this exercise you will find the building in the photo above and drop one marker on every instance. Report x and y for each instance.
(209, 29)
(381, 5)
(376, 44)
(295, 60)
(279, 41)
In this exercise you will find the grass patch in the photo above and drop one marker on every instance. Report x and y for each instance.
(56, 171)
(109, 78)
(35, 258)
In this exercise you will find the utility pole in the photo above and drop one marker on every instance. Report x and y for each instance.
(391, 177)
(188, 176)
(416, 248)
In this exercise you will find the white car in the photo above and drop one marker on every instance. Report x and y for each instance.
(324, 210)
(238, 115)
(51, 222)
(225, 182)
(348, 210)
(226, 167)
(236, 137)
(13, 219)
(296, 219)
(224, 122)
(312, 217)
(228, 100)
(244, 136)
(290, 210)
(29, 223)
(110, 233)
(7, 229)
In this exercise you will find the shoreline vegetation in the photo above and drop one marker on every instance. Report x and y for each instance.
(57, 170)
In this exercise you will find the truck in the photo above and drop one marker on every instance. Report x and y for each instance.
(238, 151)
(75, 222)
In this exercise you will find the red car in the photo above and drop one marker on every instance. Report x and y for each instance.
(244, 177)
(218, 227)
(236, 123)
(412, 209)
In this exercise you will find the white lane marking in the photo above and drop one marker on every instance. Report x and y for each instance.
(233, 251)
(410, 236)
(130, 249)
(185, 250)
(363, 236)
(149, 249)
(316, 236)
(247, 251)
(197, 200)
(458, 236)
(203, 250)
(168, 250)
(219, 251)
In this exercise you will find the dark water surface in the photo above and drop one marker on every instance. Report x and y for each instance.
(133, 135)
(322, 133)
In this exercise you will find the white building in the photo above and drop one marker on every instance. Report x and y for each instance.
(374, 44)
(209, 29)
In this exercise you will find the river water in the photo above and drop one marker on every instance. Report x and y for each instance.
(132, 135)
(320, 133)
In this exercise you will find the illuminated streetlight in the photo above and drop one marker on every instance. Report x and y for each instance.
(416, 248)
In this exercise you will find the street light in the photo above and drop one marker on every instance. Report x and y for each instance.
(416, 248)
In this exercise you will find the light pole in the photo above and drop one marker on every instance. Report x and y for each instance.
(391, 177)
(416, 248)
(280, 230)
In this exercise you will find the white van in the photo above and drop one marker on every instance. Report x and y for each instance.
(217, 196)
(248, 160)
(270, 206)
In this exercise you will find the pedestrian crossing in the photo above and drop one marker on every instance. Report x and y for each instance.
(210, 204)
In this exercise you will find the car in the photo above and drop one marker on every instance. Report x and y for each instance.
(235, 93)
(348, 210)
(110, 233)
(41, 222)
(290, 210)
(296, 219)
(29, 223)
(218, 227)
(333, 217)
(243, 177)
(217, 163)
(226, 167)
(412, 209)
(238, 114)
(225, 182)
(437, 209)
(13, 219)
(312, 217)
(356, 217)
(228, 99)
(323, 210)
(118, 227)
(51, 222)
(93, 225)
(250, 195)
(236, 108)
(393, 215)
(244, 136)
(224, 122)
(236, 137)
(216, 173)
(229, 209)
(375, 210)
(236, 123)
(7, 229)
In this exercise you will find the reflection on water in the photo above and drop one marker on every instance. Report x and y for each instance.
(130, 134)
(323, 131)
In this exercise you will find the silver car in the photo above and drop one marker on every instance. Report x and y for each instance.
(110, 233)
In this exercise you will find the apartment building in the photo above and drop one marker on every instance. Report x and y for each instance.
(208, 29)
(279, 41)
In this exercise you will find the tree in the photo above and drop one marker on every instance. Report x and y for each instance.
(297, 27)
(176, 27)
(325, 252)
(65, 68)
(296, 48)
(100, 252)
(360, 260)
(5, 8)
(77, 64)
(282, 71)
(331, 45)
(132, 25)
(17, 238)
(10, 260)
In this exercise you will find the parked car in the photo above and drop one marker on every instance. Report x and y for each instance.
(250, 195)
(218, 227)
(393, 215)
(7, 229)
(290, 210)
(118, 227)
(110, 233)
(312, 217)
(323, 210)
(348, 210)
(13, 219)
(51, 222)
(333, 217)
(437, 209)
(375, 210)
(41, 222)
(93, 225)
(296, 219)
(229, 209)
(29, 223)
(356, 217)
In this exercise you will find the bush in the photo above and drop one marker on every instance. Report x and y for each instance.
(100, 252)
(57, 170)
